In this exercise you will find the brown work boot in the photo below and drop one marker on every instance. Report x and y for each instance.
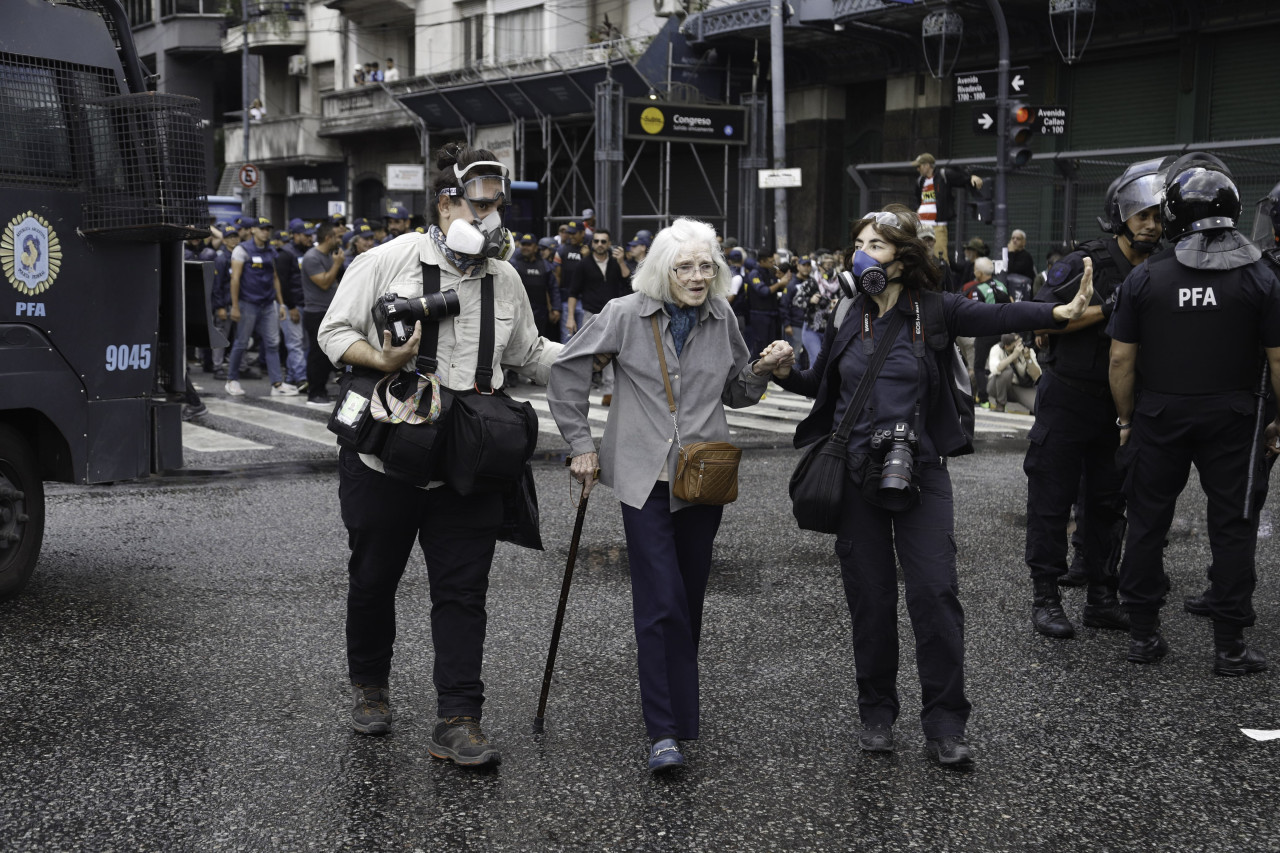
(460, 740)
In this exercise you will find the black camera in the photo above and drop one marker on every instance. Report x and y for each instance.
(898, 447)
(397, 314)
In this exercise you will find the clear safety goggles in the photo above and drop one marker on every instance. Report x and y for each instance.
(883, 217)
(484, 188)
(1139, 194)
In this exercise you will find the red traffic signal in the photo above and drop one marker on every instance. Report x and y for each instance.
(1019, 128)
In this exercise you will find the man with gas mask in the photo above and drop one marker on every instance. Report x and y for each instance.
(461, 260)
(1074, 434)
(1190, 383)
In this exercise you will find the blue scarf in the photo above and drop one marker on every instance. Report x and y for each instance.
(466, 264)
(683, 319)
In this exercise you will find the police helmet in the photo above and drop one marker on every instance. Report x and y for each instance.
(1266, 225)
(1199, 197)
(1137, 189)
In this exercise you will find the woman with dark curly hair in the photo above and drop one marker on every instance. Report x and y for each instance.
(909, 422)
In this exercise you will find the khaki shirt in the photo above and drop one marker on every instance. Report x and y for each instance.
(396, 267)
(639, 442)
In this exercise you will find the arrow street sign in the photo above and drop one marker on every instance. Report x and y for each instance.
(983, 85)
(984, 120)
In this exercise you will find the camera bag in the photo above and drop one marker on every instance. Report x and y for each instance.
(490, 436)
(352, 417)
(415, 445)
(707, 471)
(817, 484)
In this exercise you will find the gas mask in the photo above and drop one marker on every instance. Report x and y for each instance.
(479, 237)
(868, 276)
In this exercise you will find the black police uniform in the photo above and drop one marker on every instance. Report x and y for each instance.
(1075, 434)
(764, 319)
(539, 280)
(1199, 333)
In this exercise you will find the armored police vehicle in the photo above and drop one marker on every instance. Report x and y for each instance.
(100, 180)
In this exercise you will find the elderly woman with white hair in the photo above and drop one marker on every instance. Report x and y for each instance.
(682, 283)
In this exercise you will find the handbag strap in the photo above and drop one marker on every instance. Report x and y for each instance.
(666, 380)
(880, 353)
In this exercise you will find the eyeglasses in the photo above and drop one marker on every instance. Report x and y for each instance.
(882, 217)
(686, 271)
(599, 242)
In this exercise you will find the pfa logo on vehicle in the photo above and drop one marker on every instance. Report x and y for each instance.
(30, 253)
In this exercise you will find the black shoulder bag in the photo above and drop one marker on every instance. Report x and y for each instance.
(491, 436)
(817, 484)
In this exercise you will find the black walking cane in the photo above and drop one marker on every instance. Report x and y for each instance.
(564, 599)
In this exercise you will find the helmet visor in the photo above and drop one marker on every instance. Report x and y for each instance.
(1137, 195)
(1263, 226)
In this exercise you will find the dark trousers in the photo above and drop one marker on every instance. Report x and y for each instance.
(670, 556)
(1070, 458)
(1169, 434)
(924, 540)
(318, 364)
(763, 328)
(458, 535)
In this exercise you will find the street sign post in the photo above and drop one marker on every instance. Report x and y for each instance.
(985, 85)
(1052, 120)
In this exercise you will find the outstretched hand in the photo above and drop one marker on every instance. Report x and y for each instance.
(1084, 296)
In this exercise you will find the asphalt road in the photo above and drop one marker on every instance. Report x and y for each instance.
(174, 680)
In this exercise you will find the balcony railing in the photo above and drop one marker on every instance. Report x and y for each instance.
(362, 109)
(273, 25)
(280, 141)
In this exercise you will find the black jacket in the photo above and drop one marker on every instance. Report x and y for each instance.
(589, 287)
(961, 317)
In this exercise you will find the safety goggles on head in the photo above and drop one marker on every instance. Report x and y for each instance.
(883, 217)
(484, 188)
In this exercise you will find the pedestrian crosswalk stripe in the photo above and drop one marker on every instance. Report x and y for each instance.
(203, 440)
(291, 425)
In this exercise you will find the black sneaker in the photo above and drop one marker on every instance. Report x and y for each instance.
(320, 401)
(876, 738)
(190, 412)
(372, 712)
(459, 739)
(951, 751)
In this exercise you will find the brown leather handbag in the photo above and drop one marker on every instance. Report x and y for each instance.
(707, 471)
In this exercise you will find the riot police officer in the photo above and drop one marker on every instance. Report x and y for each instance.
(764, 318)
(1185, 361)
(1074, 433)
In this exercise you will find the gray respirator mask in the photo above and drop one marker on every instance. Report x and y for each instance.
(479, 237)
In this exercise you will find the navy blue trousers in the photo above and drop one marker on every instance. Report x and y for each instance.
(1169, 434)
(458, 535)
(1070, 459)
(923, 538)
(670, 556)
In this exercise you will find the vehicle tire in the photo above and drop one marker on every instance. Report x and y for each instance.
(21, 512)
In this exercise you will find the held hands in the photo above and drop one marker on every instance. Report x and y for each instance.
(585, 468)
(1075, 307)
(393, 358)
(777, 358)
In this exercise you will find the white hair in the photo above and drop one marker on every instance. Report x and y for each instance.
(1018, 232)
(653, 276)
(985, 266)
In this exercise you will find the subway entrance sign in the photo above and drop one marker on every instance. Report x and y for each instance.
(662, 121)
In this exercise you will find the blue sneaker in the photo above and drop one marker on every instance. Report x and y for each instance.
(665, 755)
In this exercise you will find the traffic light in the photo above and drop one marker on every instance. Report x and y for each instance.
(1019, 128)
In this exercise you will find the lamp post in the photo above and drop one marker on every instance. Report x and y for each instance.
(779, 98)
(1071, 17)
(1001, 220)
(940, 35)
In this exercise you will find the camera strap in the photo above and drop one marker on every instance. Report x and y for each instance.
(430, 343)
(878, 356)
(484, 356)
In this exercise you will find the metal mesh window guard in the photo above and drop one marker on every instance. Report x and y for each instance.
(147, 176)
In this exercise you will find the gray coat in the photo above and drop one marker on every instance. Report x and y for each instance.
(639, 438)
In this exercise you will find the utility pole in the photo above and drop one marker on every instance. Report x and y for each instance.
(779, 107)
(1002, 126)
(245, 192)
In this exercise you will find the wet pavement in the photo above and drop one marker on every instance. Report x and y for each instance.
(174, 680)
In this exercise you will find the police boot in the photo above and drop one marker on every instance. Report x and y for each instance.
(1102, 609)
(1145, 643)
(1197, 605)
(1047, 614)
(1232, 656)
(1076, 574)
